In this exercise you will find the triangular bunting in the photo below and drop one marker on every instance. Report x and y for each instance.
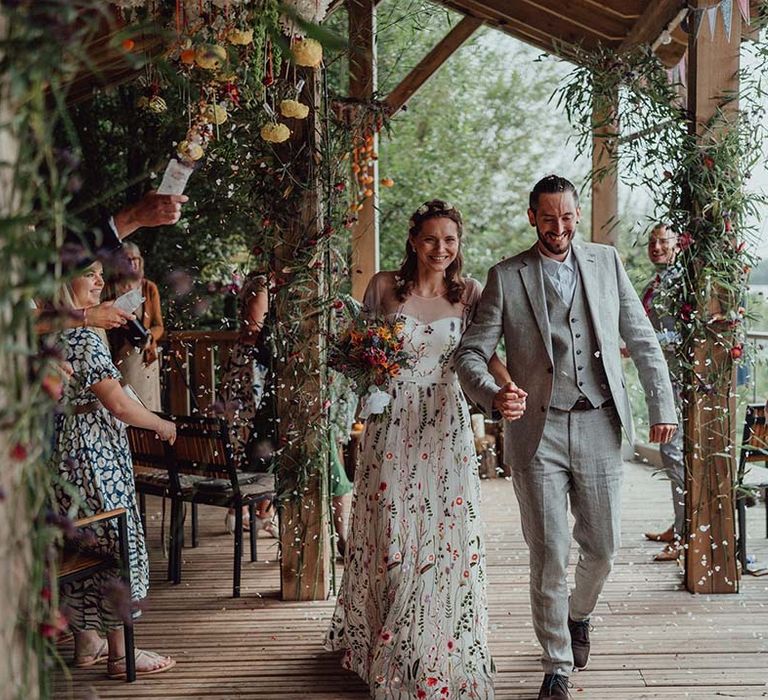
(726, 6)
(744, 9)
(712, 17)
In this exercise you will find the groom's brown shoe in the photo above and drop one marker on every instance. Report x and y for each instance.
(554, 687)
(579, 630)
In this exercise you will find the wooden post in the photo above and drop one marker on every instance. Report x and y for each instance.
(605, 178)
(362, 86)
(304, 514)
(713, 69)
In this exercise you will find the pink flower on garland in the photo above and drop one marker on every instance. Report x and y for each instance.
(684, 240)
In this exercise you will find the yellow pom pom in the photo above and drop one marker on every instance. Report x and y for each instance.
(217, 114)
(210, 56)
(190, 151)
(293, 108)
(307, 52)
(240, 37)
(275, 133)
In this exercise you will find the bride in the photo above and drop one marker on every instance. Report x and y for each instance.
(411, 613)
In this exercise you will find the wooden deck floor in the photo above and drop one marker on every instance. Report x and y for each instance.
(651, 638)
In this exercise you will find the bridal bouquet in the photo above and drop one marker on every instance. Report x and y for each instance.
(370, 352)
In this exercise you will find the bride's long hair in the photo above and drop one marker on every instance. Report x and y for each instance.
(406, 275)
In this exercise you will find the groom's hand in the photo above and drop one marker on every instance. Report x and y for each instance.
(510, 401)
(662, 432)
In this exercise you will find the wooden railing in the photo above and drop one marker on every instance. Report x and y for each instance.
(194, 361)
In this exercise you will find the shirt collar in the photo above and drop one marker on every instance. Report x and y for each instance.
(551, 265)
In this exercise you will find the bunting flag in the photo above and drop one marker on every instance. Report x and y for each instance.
(744, 9)
(712, 17)
(726, 6)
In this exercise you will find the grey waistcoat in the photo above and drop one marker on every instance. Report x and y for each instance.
(578, 366)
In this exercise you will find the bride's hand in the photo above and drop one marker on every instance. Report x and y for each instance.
(510, 401)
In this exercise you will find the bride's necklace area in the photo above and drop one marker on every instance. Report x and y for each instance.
(433, 296)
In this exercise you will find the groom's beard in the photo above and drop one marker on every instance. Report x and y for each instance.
(556, 246)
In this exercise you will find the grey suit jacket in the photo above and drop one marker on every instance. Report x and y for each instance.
(513, 306)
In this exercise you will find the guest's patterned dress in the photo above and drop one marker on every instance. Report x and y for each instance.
(93, 460)
(411, 612)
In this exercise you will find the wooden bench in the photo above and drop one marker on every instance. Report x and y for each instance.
(78, 562)
(200, 469)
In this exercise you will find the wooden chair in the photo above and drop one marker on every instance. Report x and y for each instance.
(78, 562)
(202, 449)
(754, 448)
(155, 474)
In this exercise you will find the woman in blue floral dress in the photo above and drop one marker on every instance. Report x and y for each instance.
(411, 613)
(93, 461)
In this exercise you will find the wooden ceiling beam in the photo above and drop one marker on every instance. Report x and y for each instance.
(652, 22)
(431, 62)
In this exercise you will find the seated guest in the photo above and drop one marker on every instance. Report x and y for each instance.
(139, 366)
(242, 390)
(95, 474)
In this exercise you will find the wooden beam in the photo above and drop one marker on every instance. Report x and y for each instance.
(362, 86)
(431, 63)
(605, 179)
(300, 392)
(652, 22)
(710, 567)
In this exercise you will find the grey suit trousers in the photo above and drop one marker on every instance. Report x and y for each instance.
(579, 462)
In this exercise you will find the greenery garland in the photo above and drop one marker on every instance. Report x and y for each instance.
(699, 186)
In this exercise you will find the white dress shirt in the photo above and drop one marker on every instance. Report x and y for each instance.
(563, 275)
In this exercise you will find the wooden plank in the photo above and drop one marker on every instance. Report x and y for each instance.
(178, 377)
(713, 71)
(362, 86)
(651, 638)
(429, 65)
(203, 376)
(605, 185)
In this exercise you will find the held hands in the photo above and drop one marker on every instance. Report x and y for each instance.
(106, 316)
(166, 431)
(662, 432)
(510, 401)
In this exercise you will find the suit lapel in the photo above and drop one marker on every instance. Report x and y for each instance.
(587, 264)
(533, 282)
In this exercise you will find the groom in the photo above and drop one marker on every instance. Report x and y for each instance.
(563, 309)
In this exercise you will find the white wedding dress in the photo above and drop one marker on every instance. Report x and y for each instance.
(411, 613)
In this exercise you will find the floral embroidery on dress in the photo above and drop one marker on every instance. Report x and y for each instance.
(411, 613)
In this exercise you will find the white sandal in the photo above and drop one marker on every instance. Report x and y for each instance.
(116, 667)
